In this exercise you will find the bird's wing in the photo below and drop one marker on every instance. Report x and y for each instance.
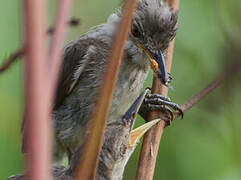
(77, 56)
(74, 61)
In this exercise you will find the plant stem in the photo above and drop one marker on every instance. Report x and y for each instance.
(152, 138)
(37, 117)
(88, 163)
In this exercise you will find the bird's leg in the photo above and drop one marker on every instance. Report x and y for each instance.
(161, 103)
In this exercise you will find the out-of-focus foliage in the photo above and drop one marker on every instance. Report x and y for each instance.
(206, 144)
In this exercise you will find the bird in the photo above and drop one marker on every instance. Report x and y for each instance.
(120, 141)
(85, 59)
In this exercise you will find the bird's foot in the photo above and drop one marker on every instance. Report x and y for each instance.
(157, 102)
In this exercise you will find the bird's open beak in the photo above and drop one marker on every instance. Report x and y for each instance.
(130, 115)
(136, 134)
(157, 64)
(129, 118)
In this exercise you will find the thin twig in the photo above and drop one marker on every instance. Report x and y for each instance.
(92, 146)
(234, 68)
(231, 70)
(152, 138)
(37, 117)
(12, 58)
(73, 22)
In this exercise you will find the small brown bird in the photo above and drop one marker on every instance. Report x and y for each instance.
(153, 26)
(119, 143)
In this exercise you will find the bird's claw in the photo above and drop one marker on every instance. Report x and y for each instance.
(162, 103)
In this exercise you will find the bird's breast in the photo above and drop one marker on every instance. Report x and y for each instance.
(129, 85)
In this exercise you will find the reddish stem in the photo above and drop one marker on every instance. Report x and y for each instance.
(37, 116)
(91, 150)
(56, 48)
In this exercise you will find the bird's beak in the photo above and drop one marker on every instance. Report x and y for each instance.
(129, 118)
(157, 63)
(130, 115)
(136, 134)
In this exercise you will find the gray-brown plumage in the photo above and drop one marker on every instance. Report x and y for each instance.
(115, 153)
(154, 25)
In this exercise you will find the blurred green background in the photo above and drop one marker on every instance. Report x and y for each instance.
(206, 144)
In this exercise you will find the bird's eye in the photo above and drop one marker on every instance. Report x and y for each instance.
(135, 32)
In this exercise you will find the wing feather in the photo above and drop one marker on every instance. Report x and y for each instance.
(75, 60)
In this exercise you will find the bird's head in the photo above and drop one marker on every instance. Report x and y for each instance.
(154, 25)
